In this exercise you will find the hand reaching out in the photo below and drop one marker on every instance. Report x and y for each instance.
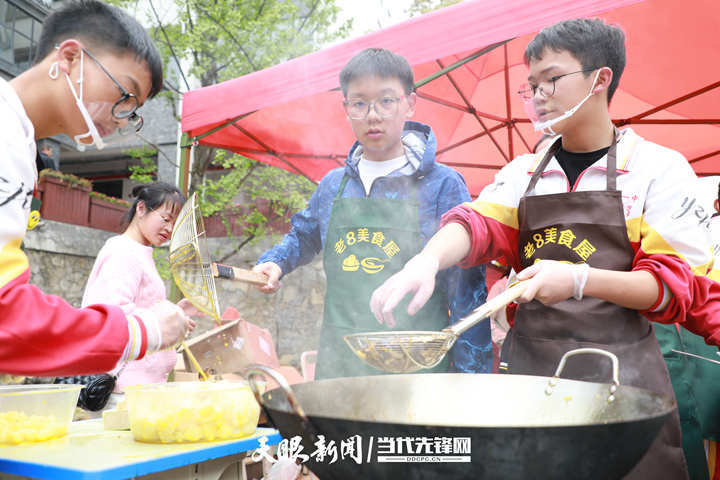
(417, 276)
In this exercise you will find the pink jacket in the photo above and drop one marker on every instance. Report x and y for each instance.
(124, 274)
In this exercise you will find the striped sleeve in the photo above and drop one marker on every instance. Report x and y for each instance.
(42, 335)
(673, 245)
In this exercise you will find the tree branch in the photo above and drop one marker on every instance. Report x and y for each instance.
(232, 37)
(172, 51)
(224, 258)
(309, 14)
(259, 11)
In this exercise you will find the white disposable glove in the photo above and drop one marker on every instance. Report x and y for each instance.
(417, 276)
(166, 325)
(552, 281)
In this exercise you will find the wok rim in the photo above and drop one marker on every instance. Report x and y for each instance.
(668, 405)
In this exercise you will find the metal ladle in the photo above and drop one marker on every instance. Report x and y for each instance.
(410, 351)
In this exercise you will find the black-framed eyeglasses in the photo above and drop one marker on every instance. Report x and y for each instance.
(546, 88)
(386, 107)
(125, 108)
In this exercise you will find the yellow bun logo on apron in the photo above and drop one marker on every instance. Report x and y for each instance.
(372, 265)
(350, 264)
(369, 265)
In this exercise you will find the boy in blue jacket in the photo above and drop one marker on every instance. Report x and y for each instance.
(372, 215)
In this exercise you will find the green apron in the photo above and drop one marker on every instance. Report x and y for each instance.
(697, 389)
(368, 240)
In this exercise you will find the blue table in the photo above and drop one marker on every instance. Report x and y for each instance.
(89, 452)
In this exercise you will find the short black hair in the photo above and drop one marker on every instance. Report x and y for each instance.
(102, 28)
(594, 43)
(154, 195)
(378, 62)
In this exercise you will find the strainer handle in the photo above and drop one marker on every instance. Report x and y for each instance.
(488, 308)
(238, 274)
(254, 370)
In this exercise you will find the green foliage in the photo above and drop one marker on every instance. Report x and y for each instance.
(68, 178)
(109, 199)
(160, 256)
(224, 39)
(278, 192)
(420, 7)
(146, 171)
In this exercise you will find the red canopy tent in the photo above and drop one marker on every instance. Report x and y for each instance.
(468, 62)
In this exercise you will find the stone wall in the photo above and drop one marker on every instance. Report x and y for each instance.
(62, 255)
(293, 314)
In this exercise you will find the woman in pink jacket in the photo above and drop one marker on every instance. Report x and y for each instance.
(124, 273)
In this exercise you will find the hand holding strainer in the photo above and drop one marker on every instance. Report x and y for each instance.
(408, 351)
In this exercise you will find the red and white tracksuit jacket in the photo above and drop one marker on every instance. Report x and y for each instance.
(668, 233)
(42, 334)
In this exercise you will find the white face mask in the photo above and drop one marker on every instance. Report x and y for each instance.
(92, 130)
(95, 113)
(546, 126)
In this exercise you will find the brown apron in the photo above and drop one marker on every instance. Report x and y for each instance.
(589, 227)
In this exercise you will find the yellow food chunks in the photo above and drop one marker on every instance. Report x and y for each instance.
(17, 427)
(216, 420)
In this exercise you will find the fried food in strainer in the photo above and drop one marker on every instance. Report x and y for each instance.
(407, 352)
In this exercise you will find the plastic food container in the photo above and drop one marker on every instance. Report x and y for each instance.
(186, 412)
(34, 413)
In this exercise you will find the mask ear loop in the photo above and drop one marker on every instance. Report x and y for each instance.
(546, 127)
(53, 72)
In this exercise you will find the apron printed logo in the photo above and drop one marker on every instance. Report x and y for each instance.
(372, 265)
(380, 450)
(583, 249)
(369, 265)
(351, 263)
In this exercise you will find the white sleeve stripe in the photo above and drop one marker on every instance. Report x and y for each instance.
(666, 296)
(132, 349)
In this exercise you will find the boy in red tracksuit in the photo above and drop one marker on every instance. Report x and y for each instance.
(95, 66)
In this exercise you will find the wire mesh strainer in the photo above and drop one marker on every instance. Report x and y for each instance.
(408, 351)
(189, 260)
(190, 263)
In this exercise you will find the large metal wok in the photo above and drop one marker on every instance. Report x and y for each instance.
(518, 426)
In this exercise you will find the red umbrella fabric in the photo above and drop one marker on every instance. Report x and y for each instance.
(291, 116)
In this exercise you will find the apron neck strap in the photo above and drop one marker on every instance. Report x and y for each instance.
(341, 189)
(611, 178)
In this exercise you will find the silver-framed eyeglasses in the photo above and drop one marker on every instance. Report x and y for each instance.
(385, 107)
(125, 108)
(546, 88)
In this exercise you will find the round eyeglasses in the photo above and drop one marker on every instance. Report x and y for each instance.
(126, 107)
(385, 107)
(546, 88)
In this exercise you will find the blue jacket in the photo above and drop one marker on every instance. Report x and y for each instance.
(439, 189)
